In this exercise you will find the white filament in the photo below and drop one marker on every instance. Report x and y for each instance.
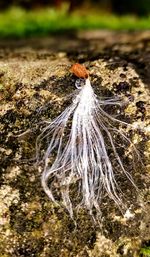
(77, 136)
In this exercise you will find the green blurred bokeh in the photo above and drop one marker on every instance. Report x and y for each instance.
(18, 22)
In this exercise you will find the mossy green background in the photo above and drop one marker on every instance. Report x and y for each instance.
(145, 251)
(17, 22)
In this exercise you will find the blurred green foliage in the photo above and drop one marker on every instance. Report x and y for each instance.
(16, 22)
(145, 251)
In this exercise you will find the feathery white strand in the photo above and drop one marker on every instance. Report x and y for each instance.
(82, 156)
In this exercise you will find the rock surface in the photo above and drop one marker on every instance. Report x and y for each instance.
(35, 85)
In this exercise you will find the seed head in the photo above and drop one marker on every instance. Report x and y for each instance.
(79, 70)
(83, 144)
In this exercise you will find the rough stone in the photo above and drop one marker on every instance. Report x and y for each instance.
(35, 85)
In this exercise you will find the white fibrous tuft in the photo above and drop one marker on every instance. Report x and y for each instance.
(82, 151)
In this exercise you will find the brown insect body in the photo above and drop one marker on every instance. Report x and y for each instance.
(79, 70)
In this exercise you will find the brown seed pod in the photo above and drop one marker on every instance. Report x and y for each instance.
(79, 70)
